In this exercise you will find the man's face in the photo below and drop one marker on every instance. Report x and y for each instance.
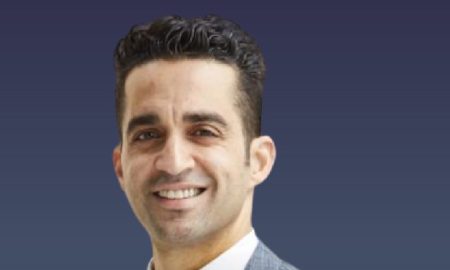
(182, 163)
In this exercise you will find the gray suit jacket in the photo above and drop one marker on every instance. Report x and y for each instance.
(264, 259)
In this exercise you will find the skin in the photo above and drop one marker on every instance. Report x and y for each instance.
(181, 129)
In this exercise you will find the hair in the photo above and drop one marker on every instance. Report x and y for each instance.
(210, 37)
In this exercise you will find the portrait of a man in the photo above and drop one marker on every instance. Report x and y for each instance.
(280, 135)
(191, 152)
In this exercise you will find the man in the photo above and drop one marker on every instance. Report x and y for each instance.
(188, 101)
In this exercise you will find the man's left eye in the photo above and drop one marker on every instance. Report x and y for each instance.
(204, 133)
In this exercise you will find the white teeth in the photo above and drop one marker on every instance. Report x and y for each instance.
(179, 194)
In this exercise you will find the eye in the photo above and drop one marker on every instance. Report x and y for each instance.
(202, 132)
(148, 135)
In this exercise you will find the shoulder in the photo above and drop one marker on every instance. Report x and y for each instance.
(263, 258)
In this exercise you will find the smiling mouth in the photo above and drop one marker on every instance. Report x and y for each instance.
(180, 194)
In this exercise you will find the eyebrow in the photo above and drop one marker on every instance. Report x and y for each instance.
(200, 117)
(142, 120)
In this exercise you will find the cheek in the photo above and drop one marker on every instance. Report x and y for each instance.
(136, 172)
(227, 168)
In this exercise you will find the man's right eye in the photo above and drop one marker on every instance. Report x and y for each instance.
(148, 135)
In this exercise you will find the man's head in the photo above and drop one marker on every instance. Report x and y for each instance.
(210, 37)
(187, 161)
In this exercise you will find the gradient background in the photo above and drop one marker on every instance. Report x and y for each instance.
(357, 99)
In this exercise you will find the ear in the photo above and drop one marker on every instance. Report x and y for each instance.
(117, 163)
(262, 158)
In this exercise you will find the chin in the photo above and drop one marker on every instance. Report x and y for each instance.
(179, 234)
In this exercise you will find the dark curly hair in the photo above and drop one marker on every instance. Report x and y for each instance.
(209, 37)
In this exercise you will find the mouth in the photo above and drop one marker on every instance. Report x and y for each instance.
(179, 194)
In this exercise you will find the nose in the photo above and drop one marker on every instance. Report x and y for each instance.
(175, 157)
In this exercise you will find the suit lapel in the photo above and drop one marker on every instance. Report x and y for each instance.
(263, 258)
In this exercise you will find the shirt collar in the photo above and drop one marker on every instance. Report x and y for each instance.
(236, 257)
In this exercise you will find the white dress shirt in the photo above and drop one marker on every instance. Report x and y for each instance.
(234, 258)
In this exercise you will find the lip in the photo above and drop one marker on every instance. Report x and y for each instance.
(179, 204)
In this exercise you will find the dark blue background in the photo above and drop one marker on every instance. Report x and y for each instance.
(357, 99)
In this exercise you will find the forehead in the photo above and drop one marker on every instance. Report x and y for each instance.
(181, 86)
